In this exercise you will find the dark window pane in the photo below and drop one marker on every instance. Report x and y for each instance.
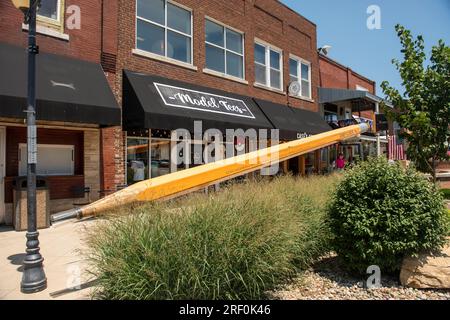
(178, 18)
(152, 10)
(260, 74)
(234, 41)
(260, 54)
(150, 37)
(305, 71)
(214, 33)
(215, 58)
(293, 67)
(234, 65)
(274, 60)
(275, 81)
(49, 9)
(292, 79)
(178, 46)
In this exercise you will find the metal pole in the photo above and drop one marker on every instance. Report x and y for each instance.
(33, 277)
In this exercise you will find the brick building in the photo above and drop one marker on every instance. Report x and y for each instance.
(112, 92)
(246, 51)
(346, 95)
(74, 102)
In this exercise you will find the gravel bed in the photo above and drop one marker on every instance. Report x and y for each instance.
(326, 281)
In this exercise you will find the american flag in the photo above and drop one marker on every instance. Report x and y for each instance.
(396, 149)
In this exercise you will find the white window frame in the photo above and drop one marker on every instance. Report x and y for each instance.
(301, 61)
(166, 28)
(54, 146)
(268, 47)
(225, 27)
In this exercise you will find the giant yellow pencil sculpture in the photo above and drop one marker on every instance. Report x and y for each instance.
(189, 180)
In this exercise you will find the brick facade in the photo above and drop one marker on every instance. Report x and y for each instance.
(336, 75)
(267, 20)
(107, 36)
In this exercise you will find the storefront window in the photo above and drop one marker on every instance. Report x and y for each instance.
(160, 150)
(310, 163)
(324, 163)
(137, 159)
(53, 160)
(333, 156)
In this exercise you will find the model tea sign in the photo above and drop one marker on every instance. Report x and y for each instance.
(202, 101)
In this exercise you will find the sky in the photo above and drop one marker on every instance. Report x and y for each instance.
(342, 24)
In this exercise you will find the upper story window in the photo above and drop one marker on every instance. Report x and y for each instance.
(300, 71)
(224, 49)
(268, 66)
(164, 28)
(51, 14)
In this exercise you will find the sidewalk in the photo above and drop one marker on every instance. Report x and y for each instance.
(63, 265)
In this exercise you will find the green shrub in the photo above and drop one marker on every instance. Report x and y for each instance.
(446, 193)
(381, 212)
(448, 222)
(235, 244)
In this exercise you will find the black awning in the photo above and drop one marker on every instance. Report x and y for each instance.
(67, 90)
(293, 123)
(161, 103)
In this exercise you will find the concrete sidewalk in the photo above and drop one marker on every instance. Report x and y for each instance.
(63, 264)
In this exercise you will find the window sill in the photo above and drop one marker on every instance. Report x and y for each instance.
(302, 98)
(46, 31)
(223, 75)
(261, 86)
(153, 56)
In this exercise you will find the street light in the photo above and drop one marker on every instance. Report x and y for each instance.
(33, 277)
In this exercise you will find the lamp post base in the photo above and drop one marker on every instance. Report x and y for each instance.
(33, 277)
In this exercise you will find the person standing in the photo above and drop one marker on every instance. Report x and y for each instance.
(340, 162)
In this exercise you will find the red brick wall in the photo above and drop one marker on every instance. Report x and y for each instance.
(83, 44)
(335, 75)
(267, 20)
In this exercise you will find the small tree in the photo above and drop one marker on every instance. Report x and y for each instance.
(381, 213)
(424, 109)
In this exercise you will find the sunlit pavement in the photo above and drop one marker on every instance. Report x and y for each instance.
(64, 266)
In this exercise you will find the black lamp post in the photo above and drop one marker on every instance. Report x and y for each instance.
(33, 278)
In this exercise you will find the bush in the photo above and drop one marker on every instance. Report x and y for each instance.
(235, 244)
(380, 213)
(448, 222)
(446, 193)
